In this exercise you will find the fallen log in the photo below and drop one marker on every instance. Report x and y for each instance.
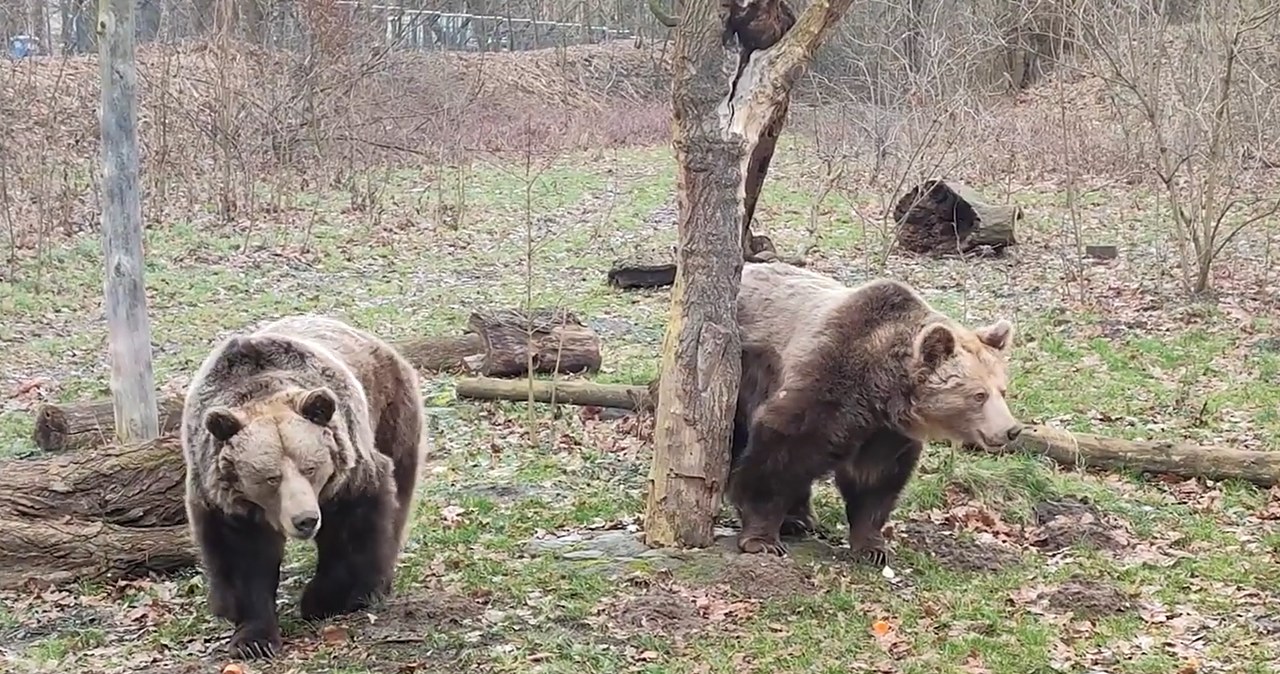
(546, 391)
(629, 274)
(1183, 459)
(554, 339)
(946, 218)
(100, 514)
(1068, 449)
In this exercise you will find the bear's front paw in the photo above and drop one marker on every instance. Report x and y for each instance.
(757, 544)
(256, 640)
(872, 551)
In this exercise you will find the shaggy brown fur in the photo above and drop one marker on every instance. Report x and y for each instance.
(867, 375)
(307, 428)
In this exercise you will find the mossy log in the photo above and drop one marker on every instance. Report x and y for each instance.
(100, 514)
(551, 340)
(947, 218)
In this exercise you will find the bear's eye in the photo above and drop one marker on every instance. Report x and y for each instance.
(980, 397)
(274, 481)
(308, 470)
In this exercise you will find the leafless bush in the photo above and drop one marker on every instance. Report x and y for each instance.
(1202, 102)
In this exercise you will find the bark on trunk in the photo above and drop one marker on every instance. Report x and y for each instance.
(700, 361)
(96, 515)
(546, 341)
(76, 426)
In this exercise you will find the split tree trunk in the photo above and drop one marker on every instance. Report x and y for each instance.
(715, 148)
(947, 218)
(96, 515)
(700, 361)
(76, 426)
(543, 341)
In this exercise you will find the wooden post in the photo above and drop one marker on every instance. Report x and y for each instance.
(700, 353)
(132, 380)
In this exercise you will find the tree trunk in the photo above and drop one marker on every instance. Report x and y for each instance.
(947, 218)
(716, 146)
(91, 424)
(700, 355)
(94, 515)
(132, 380)
(544, 341)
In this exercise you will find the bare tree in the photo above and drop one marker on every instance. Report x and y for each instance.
(715, 136)
(132, 380)
(1203, 97)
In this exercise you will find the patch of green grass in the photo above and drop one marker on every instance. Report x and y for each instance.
(431, 246)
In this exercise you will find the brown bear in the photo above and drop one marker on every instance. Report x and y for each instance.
(306, 428)
(851, 381)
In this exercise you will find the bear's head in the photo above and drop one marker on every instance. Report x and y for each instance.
(961, 376)
(279, 452)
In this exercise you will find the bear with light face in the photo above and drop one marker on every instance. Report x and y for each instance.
(851, 382)
(309, 429)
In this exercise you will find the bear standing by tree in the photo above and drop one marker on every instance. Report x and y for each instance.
(307, 428)
(852, 381)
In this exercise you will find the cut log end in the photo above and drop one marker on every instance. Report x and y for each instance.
(946, 218)
(549, 340)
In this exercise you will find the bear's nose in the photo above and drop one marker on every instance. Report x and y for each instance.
(305, 525)
(1014, 432)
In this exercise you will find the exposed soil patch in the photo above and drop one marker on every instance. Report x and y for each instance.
(764, 577)
(1061, 524)
(411, 616)
(659, 611)
(1088, 599)
(951, 551)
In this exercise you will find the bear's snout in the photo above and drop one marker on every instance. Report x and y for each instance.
(306, 524)
(1014, 431)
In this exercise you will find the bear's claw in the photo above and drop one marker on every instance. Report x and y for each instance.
(758, 544)
(252, 641)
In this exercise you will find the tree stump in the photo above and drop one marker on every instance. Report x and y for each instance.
(554, 339)
(109, 513)
(947, 218)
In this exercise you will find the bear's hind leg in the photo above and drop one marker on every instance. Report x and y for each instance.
(768, 482)
(870, 484)
(356, 551)
(242, 566)
(800, 520)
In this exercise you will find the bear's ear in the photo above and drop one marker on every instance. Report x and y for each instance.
(998, 335)
(934, 345)
(317, 405)
(222, 423)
